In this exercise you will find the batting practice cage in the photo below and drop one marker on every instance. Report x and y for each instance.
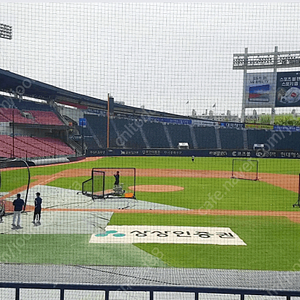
(14, 182)
(244, 169)
(102, 183)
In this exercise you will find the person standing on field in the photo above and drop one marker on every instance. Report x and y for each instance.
(18, 207)
(117, 178)
(37, 209)
(2, 210)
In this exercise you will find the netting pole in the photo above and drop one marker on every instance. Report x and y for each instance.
(103, 184)
(134, 182)
(28, 183)
(256, 170)
(298, 201)
(92, 184)
(299, 190)
(17, 294)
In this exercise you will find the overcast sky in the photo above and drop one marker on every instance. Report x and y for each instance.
(173, 57)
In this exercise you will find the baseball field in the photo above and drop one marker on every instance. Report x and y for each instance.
(170, 192)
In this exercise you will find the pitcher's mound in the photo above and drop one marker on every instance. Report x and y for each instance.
(157, 188)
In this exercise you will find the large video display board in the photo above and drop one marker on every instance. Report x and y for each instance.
(260, 89)
(288, 89)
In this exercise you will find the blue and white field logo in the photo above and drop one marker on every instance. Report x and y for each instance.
(113, 232)
(167, 235)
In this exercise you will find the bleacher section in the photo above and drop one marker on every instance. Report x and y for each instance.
(56, 144)
(138, 133)
(257, 137)
(285, 141)
(179, 134)
(27, 112)
(206, 137)
(134, 133)
(231, 138)
(274, 140)
(32, 147)
(125, 134)
(156, 135)
(95, 131)
(46, 118)
(14, 115)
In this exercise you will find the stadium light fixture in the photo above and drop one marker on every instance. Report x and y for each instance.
(5, 31)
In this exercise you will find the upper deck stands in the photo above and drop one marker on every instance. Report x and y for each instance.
(27, 112)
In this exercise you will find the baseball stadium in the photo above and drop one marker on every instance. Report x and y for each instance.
(123, 202)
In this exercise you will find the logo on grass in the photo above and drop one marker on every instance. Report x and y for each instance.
(113, 232)
(135, 234)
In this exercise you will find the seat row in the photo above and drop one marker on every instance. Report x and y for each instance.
(29, 117)
(32, 147)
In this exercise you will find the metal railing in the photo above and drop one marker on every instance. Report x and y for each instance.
(150, 289)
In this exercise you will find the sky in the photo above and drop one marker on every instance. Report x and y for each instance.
(171, 57)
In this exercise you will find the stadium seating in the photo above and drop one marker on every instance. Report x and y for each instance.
(156, 135)
(14, 115)
(130, 132)
(46, 118)
(27, 112)
(256, 136)
(134, 133)
(32, 105)
(206, 137)
(96, 125)
(32, 147)
(56, 145)
(126, 137)
(180, 133)
(231, 138)
(33, 117)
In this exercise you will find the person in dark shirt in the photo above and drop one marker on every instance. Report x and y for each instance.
(37, 209)
(18, 207)
(117, 178)
(2, 210)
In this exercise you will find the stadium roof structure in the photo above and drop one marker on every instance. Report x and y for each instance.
(17, 84)
(12, 82)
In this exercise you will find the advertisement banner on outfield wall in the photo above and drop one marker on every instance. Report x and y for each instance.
(260, 90)
(194, 152)
(288, 89)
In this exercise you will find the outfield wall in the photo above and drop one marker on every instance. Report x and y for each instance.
(236, 153)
